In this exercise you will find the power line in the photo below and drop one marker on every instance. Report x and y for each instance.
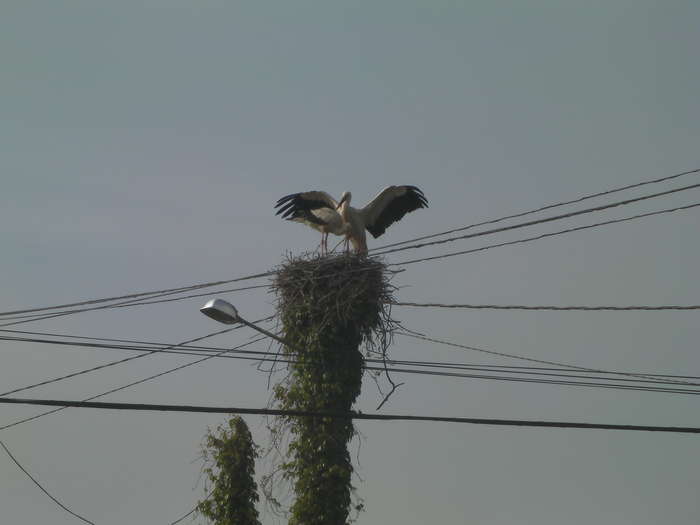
(170, 291)
(554, 308)
(543, 208)
(134, 383)
(542, 221)
(613, 386)
(340, 415)
(197, 350)
(181, 518)
(262, 357)
(488, 232)
(140, 294)
(112, 363)
(129, 304)
(545, 235)
(185, 516)
(530, 359)
(13, 458)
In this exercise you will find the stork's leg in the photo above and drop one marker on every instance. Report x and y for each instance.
(324, 243)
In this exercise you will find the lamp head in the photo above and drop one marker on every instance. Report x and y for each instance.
(221, 311)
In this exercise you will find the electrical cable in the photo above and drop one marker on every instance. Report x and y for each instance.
(530, 359)
(423, 259)
(130, 303)
(543, 208)
(181, 289)
(13, 458)
(554, 308)
(264, 357)
(134, 383)
(341, 415)
(545, 235)
(391, 364)
(112, 363)
(542, 221)
(140, 294)
(233, 354)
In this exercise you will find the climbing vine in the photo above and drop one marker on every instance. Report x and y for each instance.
(328, 307)
(230, 454)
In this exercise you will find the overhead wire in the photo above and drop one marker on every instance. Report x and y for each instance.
(113, 363)
(153, 347)
(170, 291)
(549, 307)
(401, 263)
(342, 415)
(544, 220)
(133, 303)
(562, 382)
(152, 295)
(390, 365)
(542, 208)
(123, 387)
(531, 359)
(192, 511)
(141, 294)
(545, 235)
(41, 487)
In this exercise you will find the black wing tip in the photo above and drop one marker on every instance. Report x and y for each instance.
(415, 191)
(286, 198)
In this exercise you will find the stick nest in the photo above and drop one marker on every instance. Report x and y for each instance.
(350, 291)
(329, 308)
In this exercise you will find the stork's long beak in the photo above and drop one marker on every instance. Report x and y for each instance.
(342, 200)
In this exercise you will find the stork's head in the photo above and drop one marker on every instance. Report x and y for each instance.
(344, 198)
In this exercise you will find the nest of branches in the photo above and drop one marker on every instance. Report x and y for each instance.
(330, 308)
(318, 293)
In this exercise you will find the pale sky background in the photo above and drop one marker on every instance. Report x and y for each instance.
(143, 144)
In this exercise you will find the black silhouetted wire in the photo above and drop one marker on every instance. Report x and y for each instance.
(596, 384)
(114, 363)
(13, 458)
(553, 308)
(412, 261)
(543, 208)
(130, 303)
(545, 235)
(341, 415)
(542, 221)
(263, 356)
(172, 291)
(185, 516)
(533, 360)
(194, 509)
(141, 294)
(505, 373)
(123, 387)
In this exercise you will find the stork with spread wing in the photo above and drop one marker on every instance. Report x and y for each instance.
(320, 211)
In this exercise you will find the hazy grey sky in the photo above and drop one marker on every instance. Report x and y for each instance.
(143, 144)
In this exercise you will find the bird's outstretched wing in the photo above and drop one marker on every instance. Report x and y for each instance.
(390, 206)
(298, 205)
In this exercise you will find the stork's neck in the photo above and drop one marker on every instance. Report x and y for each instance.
(344, 204)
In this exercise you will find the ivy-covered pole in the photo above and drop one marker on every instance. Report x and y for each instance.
(234, 493)
(327, 306)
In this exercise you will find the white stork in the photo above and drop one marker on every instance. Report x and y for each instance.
(320, 211)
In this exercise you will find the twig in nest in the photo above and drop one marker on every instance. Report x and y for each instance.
(394, 386)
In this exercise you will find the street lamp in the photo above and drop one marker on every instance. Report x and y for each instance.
(226, 313)
(221, 311)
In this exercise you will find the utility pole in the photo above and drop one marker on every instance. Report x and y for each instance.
(328, 306)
